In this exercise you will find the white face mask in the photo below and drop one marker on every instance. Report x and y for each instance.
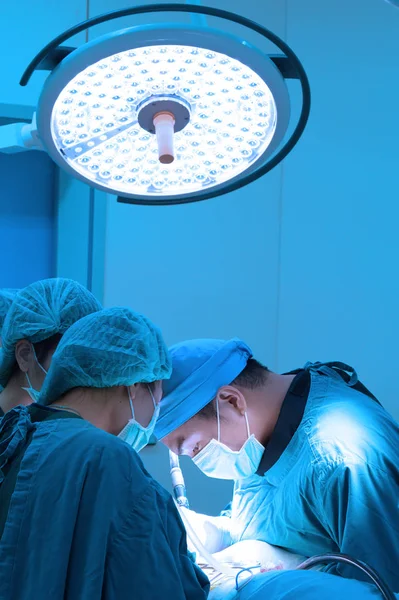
(135, 434)
(34, 394)
(219, 461)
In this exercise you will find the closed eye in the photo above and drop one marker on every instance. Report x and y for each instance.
(195, 450)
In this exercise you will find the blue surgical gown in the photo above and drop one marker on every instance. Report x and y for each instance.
(86, 521)
(336, 486)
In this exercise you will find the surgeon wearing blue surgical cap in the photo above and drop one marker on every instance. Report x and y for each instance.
(80, 518)
(34, 323)
(314, 456)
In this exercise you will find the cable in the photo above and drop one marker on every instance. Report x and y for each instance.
(386, 593)
(243, 570)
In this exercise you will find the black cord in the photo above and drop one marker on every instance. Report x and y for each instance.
(386, 593)
(238, 182)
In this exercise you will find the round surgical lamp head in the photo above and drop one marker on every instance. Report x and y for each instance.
(165, 114)
(157, 120)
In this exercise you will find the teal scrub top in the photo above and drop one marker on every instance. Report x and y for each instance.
(336, 486)
(85, 520)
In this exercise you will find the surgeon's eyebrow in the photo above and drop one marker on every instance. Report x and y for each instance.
(179, 445)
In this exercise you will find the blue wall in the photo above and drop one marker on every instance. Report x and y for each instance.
(27, 218)
(28, 191)
(339, 290)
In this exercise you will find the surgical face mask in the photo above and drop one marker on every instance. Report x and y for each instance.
(34, 394)
(219, 461)
(135, 434)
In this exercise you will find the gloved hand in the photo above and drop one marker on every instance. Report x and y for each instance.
(213, 532)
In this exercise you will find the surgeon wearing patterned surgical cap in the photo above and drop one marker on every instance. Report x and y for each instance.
(35, 321)
(80, 517)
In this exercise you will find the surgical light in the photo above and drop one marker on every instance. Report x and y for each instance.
(165, 114)
(208, 114)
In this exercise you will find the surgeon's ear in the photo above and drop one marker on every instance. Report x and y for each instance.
(133, 390)
(23, 355)
(231, 395)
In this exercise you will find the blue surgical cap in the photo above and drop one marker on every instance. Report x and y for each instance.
(200, 368)
(115, 346)
(7, 295)
(40, 311)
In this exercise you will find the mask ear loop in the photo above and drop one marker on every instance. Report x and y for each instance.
(152, 397)
(218, 417)
(246, 420)
(42, 368)
(34, 354)
(28, 380)
(129, 393)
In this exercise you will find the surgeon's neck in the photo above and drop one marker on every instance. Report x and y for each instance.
(264, 405)
(13, 394)
(107, 408)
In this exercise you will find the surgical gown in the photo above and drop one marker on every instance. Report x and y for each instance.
(85, 521)
(336, 486)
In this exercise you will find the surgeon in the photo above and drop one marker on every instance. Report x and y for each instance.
(80, 518)
(35, 321)
(314, 456)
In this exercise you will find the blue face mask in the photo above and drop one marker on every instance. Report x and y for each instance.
(219, 461)
(135, 434)
(34, 394)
